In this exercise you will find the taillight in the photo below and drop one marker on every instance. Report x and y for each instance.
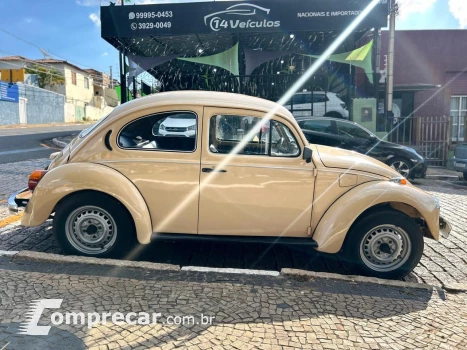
(35, 177)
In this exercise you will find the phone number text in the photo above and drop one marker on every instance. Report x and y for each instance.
(143, 15)
(151, 25)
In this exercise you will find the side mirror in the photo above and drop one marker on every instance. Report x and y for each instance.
(307, 154)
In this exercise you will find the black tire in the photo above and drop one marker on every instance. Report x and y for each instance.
(356, 251)
(119, 224)
(395, 163)
(465, 175)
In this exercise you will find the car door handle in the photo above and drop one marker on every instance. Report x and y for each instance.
(213, 170)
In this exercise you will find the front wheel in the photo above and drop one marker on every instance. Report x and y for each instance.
(94, 224)
(402, 166)
(386, 244)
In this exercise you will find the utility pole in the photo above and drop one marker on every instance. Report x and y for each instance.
(390, 74)
(123, 83)
(111, 79)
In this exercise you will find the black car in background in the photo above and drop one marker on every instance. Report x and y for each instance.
(351, 136)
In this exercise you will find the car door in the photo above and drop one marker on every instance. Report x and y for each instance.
(319, 104)
(163, 165)
(266, 189)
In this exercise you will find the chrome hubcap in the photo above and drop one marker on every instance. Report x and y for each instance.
(401, 167)
(385, 248)
(91, 230)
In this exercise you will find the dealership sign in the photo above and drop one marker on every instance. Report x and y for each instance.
(238, 17)
(9, 92)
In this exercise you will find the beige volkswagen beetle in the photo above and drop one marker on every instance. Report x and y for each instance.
(207, 165)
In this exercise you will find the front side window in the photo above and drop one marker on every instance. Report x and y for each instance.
(458, 115)
(274, 138)
(283, 142)
(171, 131)
(352, 131)
(319, 98)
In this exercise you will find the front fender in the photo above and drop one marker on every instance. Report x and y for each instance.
(74, 177)
(332, 229)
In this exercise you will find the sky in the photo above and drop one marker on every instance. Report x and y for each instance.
(70, 29)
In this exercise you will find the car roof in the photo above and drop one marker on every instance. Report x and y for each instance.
(301, 119)
(309, 92)
(203, 98)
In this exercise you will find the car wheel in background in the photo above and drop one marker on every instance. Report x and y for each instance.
(402, 166)
(465, 175)
(386, 244)
(94, 224)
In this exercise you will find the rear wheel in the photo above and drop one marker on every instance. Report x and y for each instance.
(386, 244)
(93, 224)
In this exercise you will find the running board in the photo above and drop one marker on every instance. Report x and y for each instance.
(239, 239)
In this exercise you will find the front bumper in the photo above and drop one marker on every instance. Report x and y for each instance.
(19, 199)
(419, 170)
(444, 228)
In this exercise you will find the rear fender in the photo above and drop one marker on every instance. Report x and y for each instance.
(333, 227)
(71, 178)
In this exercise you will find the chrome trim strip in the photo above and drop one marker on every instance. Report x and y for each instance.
(259, 166)
(12, 205)
(194, 162)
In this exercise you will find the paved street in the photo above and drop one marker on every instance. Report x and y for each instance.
(247, 312)
(19, 144)
(444, 262)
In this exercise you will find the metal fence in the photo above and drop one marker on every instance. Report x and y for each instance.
(430, 136)
(274, 86)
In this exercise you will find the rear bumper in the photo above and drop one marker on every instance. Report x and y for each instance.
(460, 165)
(19, 199)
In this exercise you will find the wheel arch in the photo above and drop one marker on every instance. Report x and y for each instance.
(332, 229)
(74, 178)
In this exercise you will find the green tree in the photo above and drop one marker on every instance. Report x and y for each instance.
(47, 78)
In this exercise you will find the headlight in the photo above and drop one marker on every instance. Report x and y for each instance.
(162, 127)
(438, 205)
(192, 128)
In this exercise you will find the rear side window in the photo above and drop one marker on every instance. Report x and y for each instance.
(272, 139)
(324, 126)
(172, 131)
(352, 131)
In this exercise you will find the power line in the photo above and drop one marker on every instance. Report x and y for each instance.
(94, 76)
(38, 47)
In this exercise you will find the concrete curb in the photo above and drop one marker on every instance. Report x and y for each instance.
(59, 143)
(56, 258)
(309, 275)
(442, 177)
(286, 272)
